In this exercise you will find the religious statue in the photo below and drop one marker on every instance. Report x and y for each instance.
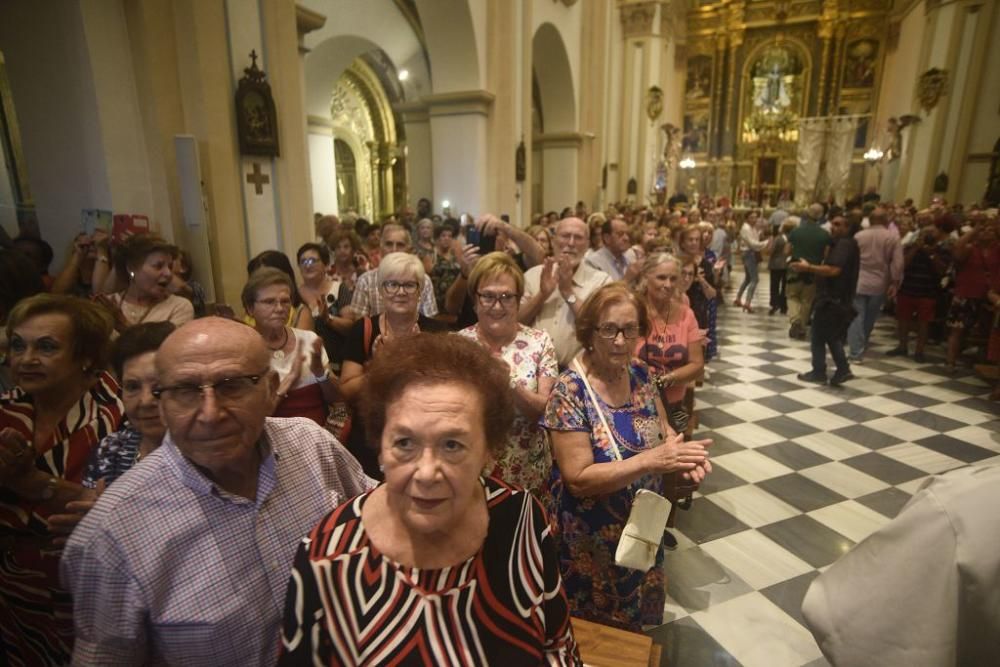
(654, 103)
(670, 156)
(256, 118)
(520, 163)
(671, 144)
(895, 147)
(774, 80)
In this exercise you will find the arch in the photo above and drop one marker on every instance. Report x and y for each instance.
(550, 64)
(324, 66)
(355, 28)
(362, 118)
(453, 45)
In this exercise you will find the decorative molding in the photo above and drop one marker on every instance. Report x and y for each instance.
(637, 19)
(306, 20)
(318, 122)
(412, 112)
(460, 103)
(559, 140)
(931, 86)
(871, 5)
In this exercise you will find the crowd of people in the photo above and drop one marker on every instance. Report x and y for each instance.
(457, 414)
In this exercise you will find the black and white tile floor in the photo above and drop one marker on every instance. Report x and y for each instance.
(802, 473)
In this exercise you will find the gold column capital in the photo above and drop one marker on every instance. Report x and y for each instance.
(637, 18)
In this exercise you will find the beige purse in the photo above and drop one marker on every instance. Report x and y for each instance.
(643, 532)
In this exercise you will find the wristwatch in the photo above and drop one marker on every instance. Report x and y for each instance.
(571, 299)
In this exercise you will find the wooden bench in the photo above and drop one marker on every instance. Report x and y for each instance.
(603, 646)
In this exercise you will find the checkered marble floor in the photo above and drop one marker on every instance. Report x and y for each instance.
(802, 473)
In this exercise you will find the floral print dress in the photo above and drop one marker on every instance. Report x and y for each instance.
(598, 590)
(527, 460)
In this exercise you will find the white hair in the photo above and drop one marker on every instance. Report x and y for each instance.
(398, 264)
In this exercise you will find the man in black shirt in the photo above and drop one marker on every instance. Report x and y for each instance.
(925, 261)
(836, 282)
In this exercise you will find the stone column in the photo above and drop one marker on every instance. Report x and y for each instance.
(955, 42)
(417, 151)
(641, 64)
(560, 155)
(292, 185)
(459, 139)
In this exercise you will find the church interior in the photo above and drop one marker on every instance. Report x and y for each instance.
(229, 127)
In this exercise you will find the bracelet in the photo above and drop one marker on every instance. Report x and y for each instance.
(664, 380)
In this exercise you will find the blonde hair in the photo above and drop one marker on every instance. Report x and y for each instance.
(493, 265)
(400, 264)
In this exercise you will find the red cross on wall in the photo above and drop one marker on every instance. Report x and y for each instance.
(258, 179)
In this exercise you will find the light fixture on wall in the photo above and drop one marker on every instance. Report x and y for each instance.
(873, 155)
(403, 75)
(687, 163)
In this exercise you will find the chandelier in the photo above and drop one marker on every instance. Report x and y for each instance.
(770, 128)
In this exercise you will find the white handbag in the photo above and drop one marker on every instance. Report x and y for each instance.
(643, 532)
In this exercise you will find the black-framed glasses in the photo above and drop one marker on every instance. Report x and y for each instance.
(396, 286)
(490, 299)
(306, 262)
(610, 331)
(226, 390)
(274, 303)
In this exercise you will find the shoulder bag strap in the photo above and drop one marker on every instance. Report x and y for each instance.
(367, 346)
(578, 367)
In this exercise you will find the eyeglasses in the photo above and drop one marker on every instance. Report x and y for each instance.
(395, 287)
(226, 390)
(610, 331)
(306, 262)
(489, 299)
(271, 303)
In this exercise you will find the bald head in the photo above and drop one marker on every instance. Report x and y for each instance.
(216, 337)
(815, 211)
(218, 389)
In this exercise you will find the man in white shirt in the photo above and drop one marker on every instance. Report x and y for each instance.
(555, 290)
(617, 257)
(922, 591)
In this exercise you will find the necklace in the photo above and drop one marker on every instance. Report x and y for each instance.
(279, 352)
(134, 314)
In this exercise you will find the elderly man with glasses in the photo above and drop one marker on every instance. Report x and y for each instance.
(555, 290)
(185, 559)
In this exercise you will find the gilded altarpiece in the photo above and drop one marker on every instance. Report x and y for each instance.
(755, 67)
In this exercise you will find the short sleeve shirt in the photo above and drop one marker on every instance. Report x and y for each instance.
(556, 316)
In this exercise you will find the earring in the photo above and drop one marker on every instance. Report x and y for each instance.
(131, 275)
(381, 468)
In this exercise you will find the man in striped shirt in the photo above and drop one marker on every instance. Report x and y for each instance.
(185, 559)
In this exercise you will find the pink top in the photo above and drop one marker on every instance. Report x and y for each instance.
(881, 260)
(665, 348)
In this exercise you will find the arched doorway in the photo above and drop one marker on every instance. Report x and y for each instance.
(554, 109)
(352, 87)
(346, 175)
(364, 126)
